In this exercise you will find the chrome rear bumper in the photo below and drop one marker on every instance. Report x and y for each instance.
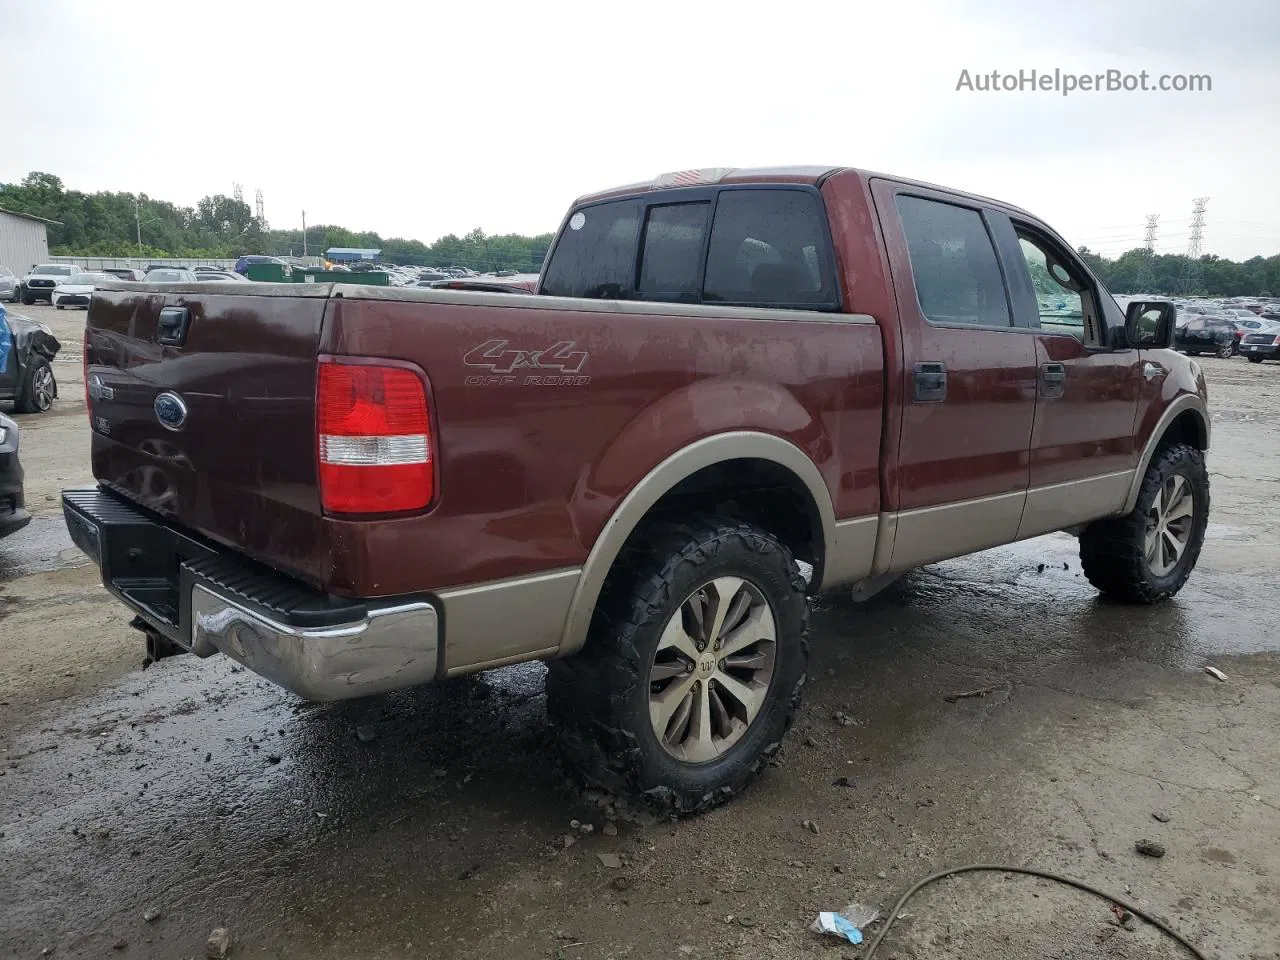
(207, 599)
(389, 648)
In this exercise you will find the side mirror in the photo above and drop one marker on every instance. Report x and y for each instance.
(1149, 324)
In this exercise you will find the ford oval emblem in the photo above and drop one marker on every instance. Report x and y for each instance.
(171, 410)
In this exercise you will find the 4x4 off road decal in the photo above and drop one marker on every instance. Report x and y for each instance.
(558, 365)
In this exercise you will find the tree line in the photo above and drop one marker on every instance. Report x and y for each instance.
(1137, 271)
(106, 224)
(109, 224)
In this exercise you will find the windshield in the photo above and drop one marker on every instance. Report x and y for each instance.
(84, 279)
(55, 269)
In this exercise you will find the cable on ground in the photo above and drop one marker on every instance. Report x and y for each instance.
(1027, 871)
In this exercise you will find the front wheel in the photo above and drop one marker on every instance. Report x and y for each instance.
(692, 669)
(1147, 555)
(27, 298)
(38, 388)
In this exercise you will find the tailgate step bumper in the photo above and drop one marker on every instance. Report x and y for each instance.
(208, 600)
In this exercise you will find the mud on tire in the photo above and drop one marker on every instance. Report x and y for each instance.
(1114, 552)
(599, 699)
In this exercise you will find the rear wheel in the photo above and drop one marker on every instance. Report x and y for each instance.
(1147, 555)
(38, 388)
(693, 667)
(1253, 359)
(1226, 350)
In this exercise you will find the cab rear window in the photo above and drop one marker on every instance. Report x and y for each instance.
(744, 247)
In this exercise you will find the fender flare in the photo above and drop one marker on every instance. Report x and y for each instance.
(684, 463)
(1188, 401)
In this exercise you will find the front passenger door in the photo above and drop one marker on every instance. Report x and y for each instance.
(1083, 452)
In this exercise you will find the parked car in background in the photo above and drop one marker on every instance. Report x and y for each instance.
(13, 515)
(39, 282)
(27, 349)
(75, 290)
(1206, 334)
(125, 273)
(9, 283)
(170, 275)
(220, 275)
(1262, 343)
(515, 283)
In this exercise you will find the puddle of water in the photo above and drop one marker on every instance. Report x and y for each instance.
(41, 547)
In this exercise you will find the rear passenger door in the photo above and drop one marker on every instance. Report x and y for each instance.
(970, 372)
(1083, 451)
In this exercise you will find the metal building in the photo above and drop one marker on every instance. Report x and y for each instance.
(23, 242)
(351, 255)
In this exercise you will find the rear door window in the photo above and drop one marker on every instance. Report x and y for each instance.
(769, 248)
(671, 263)
(595, 256)
(953, 262)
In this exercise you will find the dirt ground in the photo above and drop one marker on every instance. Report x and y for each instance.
(139, 810)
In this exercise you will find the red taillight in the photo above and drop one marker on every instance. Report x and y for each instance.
(1277, 341)
(373, 431)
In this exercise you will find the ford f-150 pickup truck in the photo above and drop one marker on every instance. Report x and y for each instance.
(731, 389)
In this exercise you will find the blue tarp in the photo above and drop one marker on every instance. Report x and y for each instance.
(6, 340)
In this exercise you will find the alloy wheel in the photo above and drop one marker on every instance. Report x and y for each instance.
(712, 670)
(42, 388)
(1169, 524)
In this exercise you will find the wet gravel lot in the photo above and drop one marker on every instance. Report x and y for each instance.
(140, 809)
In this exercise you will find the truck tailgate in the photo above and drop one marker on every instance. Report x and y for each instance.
(215, 431)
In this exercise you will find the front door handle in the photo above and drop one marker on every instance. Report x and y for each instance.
(1053, 379)
(930, 381)
(1151, 370)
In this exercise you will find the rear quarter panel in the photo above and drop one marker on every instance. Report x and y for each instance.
(532, 461)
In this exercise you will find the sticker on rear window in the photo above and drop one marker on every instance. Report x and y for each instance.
(577, 221)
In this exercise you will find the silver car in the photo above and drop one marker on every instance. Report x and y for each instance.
(8, 285)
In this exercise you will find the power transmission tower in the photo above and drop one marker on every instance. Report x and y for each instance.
(1147, 270)
(237, 191)
(1191, 272)
(257, 204)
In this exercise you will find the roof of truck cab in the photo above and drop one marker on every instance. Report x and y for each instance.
(797, 174)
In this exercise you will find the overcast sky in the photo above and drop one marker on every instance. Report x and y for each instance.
(420, 119)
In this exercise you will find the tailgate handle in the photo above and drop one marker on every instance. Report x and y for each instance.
(171, 329)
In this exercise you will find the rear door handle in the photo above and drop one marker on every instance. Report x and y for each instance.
(930, 382)
(1053, 379)
(171, 328)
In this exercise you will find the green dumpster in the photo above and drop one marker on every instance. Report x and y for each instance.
(270, 272)
(373, 278)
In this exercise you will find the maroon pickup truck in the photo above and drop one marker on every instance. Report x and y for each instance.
(732, 389)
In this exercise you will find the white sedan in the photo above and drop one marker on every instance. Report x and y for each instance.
(75, 290)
